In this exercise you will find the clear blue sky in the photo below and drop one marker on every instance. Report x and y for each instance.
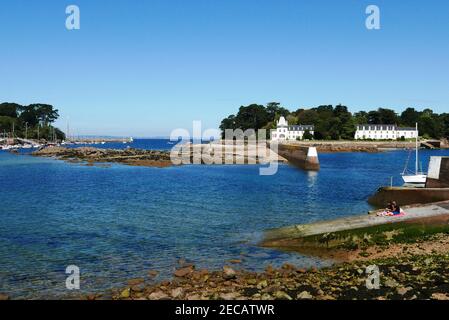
(144, 68)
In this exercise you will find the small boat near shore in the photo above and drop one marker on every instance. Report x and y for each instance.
(418, 177)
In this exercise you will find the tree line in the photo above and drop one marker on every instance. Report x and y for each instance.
(336, 122)
(33, 121)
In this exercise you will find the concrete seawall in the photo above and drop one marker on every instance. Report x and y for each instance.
(408, 196)
(438, 176)
(303, 157)
(433, 217)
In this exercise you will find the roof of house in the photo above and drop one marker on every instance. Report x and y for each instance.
(300, 127)
(384, 127)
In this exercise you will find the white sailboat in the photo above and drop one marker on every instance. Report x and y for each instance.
(418, 177)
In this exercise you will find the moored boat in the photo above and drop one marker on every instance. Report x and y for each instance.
(418, 177)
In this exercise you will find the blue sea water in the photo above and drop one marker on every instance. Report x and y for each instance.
(118, 222)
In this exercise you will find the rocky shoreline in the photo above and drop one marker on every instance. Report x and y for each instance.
(358, 146)
(195, 154)
(134, 157)
(409, 278)
(412, 271)
(410, 268)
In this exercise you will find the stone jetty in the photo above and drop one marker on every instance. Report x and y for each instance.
(303, 157)
(356, 231)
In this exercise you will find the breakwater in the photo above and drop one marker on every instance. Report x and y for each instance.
(303, 157)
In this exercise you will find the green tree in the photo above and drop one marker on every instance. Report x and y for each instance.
(28, 120)
(307, 135)
(309, 117)
(430, 125)
(274, 110)
(9, 109)
(6, 124)
(373, 117)
(253, 116)
(292, 119)
(29, 116)
(346, 129)
(387, 116)
(409, 117)
(444, 120)
(361, 117)
(335, 122)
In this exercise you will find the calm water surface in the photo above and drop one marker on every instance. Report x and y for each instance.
(117, 223)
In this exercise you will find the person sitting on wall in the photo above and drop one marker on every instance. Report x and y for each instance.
(392, 209)
(396, 209)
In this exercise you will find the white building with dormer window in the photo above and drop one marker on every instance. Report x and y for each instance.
(384, 132)
(285, 132)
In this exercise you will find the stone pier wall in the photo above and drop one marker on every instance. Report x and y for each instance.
(438, 175)
(407, 196)
(303, 157)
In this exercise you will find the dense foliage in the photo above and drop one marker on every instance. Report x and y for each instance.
(335, 123)
(33, 121)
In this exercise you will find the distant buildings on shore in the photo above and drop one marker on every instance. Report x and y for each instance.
(284, 131)
(384, 132)
(294, 132)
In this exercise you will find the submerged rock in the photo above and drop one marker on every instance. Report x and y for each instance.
(136, 281)
(183, 272)
(153, 273)
(229, 273)
(177, 293)
(235, 261)
(158, 295)
(125, 294)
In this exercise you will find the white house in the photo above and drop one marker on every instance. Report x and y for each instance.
(285, 132)
(384, 132)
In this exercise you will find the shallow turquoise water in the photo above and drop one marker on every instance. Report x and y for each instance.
(119, 222)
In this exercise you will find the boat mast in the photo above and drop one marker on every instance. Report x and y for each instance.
(417, 163)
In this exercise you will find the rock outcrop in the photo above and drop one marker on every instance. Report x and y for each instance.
(136, 157)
